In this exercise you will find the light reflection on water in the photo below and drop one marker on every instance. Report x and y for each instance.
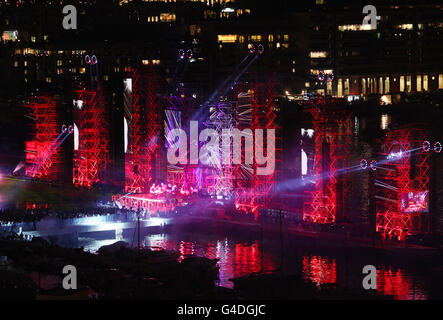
(239, 258)
(236, 259)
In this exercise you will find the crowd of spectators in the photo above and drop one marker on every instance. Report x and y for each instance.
(8, 216)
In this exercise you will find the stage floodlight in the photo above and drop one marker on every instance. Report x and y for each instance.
(373, 165)
(261, 49)
(251, 48)
(426, 146)
(437, 147)
(181, 54)
(364, 164)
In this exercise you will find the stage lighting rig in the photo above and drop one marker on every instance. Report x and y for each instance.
(256, 49)
(363, 164)
(89, 60)
(182, 54)
(437, 147)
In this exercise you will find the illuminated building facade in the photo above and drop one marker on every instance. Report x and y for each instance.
(402, 55)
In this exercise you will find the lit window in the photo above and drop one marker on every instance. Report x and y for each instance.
(82, 70)
(402, 83)
(318, 54)
(408, 83)
(167, 17)
(355, 27)
(10, 36)
(346, 87)
(440, 81)
(406, 26)
(227, 38)
(340, 88)
(418, 83)
(256, 37)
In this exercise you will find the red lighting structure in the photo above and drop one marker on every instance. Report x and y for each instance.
(402, 185)
(42, 155)
(255, 110)
(143, 114)
(91, 137)
(332, 135)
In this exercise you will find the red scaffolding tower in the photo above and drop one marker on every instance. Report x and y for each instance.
(332, 135)
(145, 136)
(255, 110)
(91, 154)
(406, 172)
(42, 154)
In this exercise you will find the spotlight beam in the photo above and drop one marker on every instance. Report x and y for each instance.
(198, 113)
(49, 152)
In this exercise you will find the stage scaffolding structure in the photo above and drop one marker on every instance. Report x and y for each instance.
(407, 171)
(332, 138)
